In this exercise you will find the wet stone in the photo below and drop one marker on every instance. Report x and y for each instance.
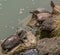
(30, 52)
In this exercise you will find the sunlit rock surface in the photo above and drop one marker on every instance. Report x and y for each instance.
(49, 46)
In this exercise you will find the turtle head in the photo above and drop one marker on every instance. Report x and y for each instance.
(21, 33)
(52, 4)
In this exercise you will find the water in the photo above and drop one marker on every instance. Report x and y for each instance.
(13, 11)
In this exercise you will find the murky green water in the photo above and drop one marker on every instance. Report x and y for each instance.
(13, 11)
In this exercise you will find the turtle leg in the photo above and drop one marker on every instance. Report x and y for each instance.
(6, 51)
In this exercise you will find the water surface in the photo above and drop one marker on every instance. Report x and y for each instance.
(12, 12)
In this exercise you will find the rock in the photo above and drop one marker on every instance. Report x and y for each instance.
(29, 43)
(51, 26)
(46, 46)
(47, 27)
(49, 46)
(32, 23)
(30, 52)
(57, 24)
(48, 24)
(55, 8)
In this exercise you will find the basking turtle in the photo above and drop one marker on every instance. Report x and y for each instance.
(29, 43)
(51, 27)
(40, 15)
(12, 41)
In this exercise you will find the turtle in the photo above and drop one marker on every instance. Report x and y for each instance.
(12, 41)
(39, 16)
(29, 43)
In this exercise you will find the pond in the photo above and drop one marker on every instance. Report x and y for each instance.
(12, 12)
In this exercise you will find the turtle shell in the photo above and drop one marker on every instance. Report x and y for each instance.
(10, 43)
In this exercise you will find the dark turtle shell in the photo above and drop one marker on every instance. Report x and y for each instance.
(40, 15)
(10, 43)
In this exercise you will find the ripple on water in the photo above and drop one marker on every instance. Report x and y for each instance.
(6, 26)
(33, 0)
(21, 10)
(1, 8)
(12, 27)
(5, 0)
(33, 3)
(1, 14)
(0, 4)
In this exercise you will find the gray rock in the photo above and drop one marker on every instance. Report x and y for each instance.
(31, 52)
(48, 24)
(49, 46)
